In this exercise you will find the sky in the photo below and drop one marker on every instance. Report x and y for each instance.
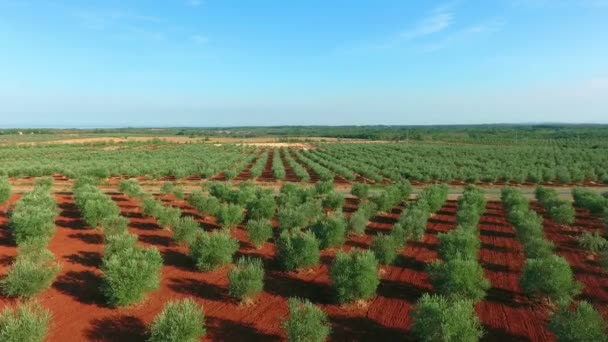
(206, 63)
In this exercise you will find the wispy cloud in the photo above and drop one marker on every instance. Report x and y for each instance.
(104, 19)
(464, 35)
(195, 3)
(440, 19)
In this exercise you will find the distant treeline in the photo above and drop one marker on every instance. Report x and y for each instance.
(587, 133)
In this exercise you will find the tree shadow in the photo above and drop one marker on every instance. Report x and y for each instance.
(346, 328)
(177, 260)
(227, 330)
(410, 262)
(281, 284)
(82, 286)
(401, 290)
(91, 259)
(156, 240)
(91, 238)
(198, 288)
(117, 328)
(499, 334)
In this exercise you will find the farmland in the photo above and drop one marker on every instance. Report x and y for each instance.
(370, 238)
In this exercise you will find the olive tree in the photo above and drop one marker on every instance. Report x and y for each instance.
(549, 277)
(246, 279)
(180, 321)
(436, 318)
(212, 250)
(459, 278)
(354, 275)
(306, 322)
(583, 323)
(297, 250)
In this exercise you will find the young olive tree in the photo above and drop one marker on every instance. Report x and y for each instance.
(306, 322)
(26, 322)
(360, 190)
(438, 319)
(459, 278)
(246, 279)
(129, 271)
(583, 323)
(550, 277)
(5, 189)
(297, 250)
(212, 250)
(186, 230)
(230, 215)
(259, 232)
(180, 321)
(354, 276)
(385, 248)
(331, 231)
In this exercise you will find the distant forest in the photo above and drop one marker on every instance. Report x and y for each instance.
(457, 133)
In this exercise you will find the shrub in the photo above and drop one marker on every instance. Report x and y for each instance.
(360, 190)
(262, 207)
(562, 212)
(331, 231)
(297, 250)
(354, 275)
(593, 242)
(130, 187)
(212, 250)
(151, 207)
(551, 277)
(208, 205)
(537, 247)
(96, 209)
(29, 224)
(114, 225)
(31, 273)
(129, 271)
(385, 248)
(178, 192)
(435, 196)
(589, 199)
(306, 322)
(291, 218)
(438, 319)
(583, 323)
(168, 216)
(458, 243)
(246, 279)
(186, 229)
(230, 215)
(5, 189)
(333, 201)
(324, 187)
(259, 231)
(358, 222)
(459, 278)
(27, 322)
(180, 321)
(413, 221)
(167, 188)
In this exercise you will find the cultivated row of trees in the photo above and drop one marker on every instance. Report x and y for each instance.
(548, 277)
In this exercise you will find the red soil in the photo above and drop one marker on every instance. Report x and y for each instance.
(506, 313)
(290, 175)
(80, 313)
(313, 176)
(267, 174)
(586, 268)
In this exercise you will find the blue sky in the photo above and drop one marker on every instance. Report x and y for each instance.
(228, 62)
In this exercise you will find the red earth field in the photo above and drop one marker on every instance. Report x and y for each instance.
(80, 313)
